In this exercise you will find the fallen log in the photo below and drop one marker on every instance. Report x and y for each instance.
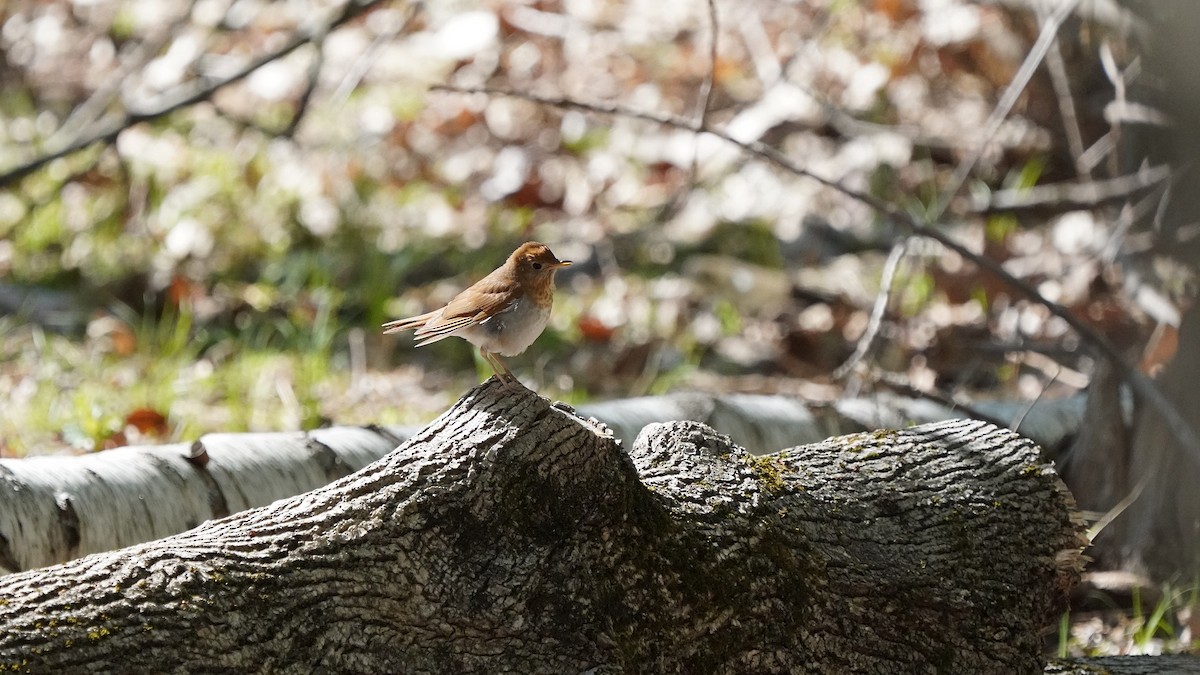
(512, 535)
(56, 508)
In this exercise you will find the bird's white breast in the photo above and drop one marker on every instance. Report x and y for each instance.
(510, 332)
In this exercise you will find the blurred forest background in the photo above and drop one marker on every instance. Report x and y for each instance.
(208, 208)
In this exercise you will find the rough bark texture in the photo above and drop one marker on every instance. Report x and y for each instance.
(54, 509)
(512, 536)
(1096, 467)
(1160, 532)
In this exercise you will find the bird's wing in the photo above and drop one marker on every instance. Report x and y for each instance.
(441, 331)
(487, 298)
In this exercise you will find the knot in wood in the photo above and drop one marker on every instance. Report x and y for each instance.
(702, 471)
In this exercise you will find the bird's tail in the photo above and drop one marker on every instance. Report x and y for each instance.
(407, 324)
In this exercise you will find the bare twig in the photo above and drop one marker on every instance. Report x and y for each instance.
(1120, 507)
(706, 88)
(1057, 68)
(704, 103)
(1072, 195)
(310, 84)
(1115, 76)
(368, 58)
(136, 56)
(758, 45)
(1131, 213)
(963, 170)
(880, 308)
(1096, 152)
(1016, 423)
(1007, 100)
(108, 128)
(899, 384)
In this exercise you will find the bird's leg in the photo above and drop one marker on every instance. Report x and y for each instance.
(501, 370)
(487, 356)
(510, 381)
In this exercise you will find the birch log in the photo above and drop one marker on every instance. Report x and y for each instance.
(54, 509)
(513, 536)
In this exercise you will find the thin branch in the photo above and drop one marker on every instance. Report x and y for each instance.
(1098, 151)
(1120, 241)
(107, 129)
(101, 132)
(706, 91)
(704, 102)
(1120, 507)
(1118, 79)
(136, 57)
(897, 383)
(863, 347)
(964, 168)
(706, 88)
(310, 84)
(1072, 195)
(1005, 105)
(358, 70)
(758, 45)
(1143, 385)
(1061, 82)
(1020, 419)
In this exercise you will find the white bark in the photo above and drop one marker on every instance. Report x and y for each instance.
(53, 509)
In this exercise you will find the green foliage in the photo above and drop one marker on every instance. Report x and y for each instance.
(1028, 174)
(729, 316)
(1064, 635)
(979, 295)
(1148, 627)
(594, 138)
(883, 183)
(751, 241)
(919, 289)
(1134, 630)
(1000, 226)
(42, 229)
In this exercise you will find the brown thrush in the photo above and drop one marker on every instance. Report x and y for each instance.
(502, 313)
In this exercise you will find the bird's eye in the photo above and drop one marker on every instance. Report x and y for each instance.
(537, 266)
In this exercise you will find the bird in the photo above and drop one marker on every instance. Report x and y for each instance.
(501, 314)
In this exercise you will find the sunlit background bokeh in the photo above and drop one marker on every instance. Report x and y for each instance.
(226, 265)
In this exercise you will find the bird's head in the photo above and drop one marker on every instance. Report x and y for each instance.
(536, 264)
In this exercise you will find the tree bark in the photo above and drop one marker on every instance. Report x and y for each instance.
(1160, 532)
(510, 535)
(54, 509)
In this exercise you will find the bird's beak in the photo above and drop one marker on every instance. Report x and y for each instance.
(563, 263)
